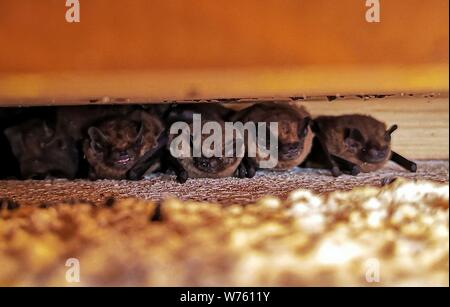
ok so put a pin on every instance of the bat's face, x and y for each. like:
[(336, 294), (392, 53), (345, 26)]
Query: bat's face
[(215, 165), (369, 141), (291, 138), (294, 137), (113, 147), (212, 164), (42, 152)]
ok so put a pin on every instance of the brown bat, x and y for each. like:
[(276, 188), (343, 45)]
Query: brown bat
[(42, 150), (199, 167), (294, 134), (13, 117), (76, 120), (354, 143), (114, 146), (9, 166)]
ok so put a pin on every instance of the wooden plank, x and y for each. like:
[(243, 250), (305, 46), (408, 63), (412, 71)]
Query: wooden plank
[(144, 87), (158, 35), (200, 49)]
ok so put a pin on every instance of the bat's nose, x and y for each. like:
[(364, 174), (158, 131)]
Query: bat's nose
[(213, 163), (291, 148), (375, 155)]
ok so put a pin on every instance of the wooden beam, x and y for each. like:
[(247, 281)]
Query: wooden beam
[(145, 87)]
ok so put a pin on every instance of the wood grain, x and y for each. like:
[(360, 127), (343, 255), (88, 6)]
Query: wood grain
[(147, 87)]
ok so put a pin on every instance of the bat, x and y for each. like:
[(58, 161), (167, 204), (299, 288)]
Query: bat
[(150, 159), (199, 166), (9, 166), (42, 151), (115, 145), (76, 120), (294, 134), (354, 143)]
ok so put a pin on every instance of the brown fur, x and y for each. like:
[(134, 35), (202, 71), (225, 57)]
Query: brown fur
[(332, 131), (42, 151), (226, 167), (289, 118), (135, 135), (76, 120)]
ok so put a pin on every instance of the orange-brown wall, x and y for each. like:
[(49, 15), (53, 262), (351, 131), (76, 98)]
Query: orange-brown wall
[(216, 34)]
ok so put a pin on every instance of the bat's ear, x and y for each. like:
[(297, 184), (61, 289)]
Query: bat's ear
[(98, 139), (140, 134), (353, 140), (48, 132), (15, 138), (387, 136), (353, 134), (48, 135)]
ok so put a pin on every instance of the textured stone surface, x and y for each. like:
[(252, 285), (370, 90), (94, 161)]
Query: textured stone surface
[(223, 191), (395, 235)]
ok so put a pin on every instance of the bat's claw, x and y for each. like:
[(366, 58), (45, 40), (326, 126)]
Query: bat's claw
[(133, 176), (355, 170), (182, 177), (336, 172), (241, 171), (251, 172)]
